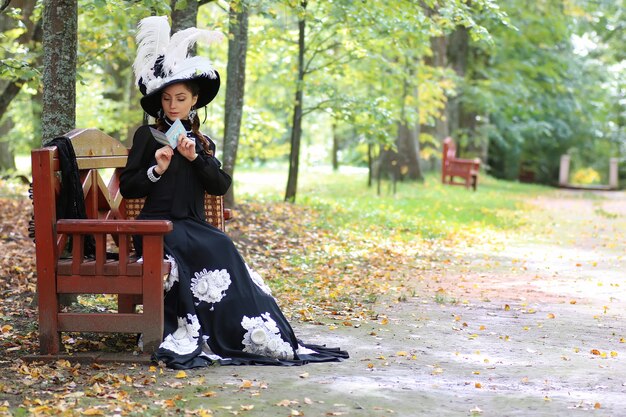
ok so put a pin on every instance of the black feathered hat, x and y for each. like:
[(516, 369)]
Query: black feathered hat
[(163, 60)]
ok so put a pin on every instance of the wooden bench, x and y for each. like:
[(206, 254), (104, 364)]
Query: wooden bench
[(452, 167), (110, 220)]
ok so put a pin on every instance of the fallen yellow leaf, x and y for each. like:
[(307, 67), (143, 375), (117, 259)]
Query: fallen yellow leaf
[(93, 412), (181, 374)]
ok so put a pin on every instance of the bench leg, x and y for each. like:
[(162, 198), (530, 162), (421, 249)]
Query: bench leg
[(48, 305), (127, 303), (153, 307)]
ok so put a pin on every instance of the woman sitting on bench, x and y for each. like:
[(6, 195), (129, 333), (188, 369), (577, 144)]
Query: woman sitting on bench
[(216, 307)]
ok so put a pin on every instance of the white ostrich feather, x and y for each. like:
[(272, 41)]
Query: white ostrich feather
[(153, 37), (181, 42)]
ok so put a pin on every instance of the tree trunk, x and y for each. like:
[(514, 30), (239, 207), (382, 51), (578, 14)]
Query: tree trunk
[(59, 74), (457, 50), (7, 160), (296, 130), (441, 129), (403, 161), (370, 165), (439, 45), (9, 91), (185, 17), (408, 151), (235, 89), (335, 150)]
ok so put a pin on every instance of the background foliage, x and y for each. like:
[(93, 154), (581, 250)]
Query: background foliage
[(540, 79)]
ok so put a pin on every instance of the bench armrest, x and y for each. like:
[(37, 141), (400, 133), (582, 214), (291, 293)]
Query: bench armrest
[(136, 227)]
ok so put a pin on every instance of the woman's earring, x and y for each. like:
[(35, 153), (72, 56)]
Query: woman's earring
[(192, 114)]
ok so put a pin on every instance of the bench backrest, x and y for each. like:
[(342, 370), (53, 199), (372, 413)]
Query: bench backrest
[(448, 154), (449, 149)]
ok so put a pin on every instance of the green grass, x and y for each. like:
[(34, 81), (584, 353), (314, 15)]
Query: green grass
[(429, 210)]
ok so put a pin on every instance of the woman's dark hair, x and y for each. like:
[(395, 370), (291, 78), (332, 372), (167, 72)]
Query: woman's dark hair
[(195, 125)]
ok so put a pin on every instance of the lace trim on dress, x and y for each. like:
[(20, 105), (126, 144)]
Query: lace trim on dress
[(185, 339), (173, 275), (305, 351), (206, 350), (256, 278), (263, 338), (210, 286)]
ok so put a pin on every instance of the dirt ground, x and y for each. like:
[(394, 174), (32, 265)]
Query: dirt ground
[(506, 327)]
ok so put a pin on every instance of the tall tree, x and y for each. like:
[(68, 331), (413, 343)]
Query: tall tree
[(235, 86), (296, 125), (60, 36)]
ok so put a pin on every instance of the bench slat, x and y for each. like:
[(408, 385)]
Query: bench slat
[(99, 284), (111, 267), (105, 322)]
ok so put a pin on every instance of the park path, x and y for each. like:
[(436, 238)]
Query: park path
[(510, 326)]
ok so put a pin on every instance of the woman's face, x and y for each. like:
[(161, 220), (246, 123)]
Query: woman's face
[(177, 101)]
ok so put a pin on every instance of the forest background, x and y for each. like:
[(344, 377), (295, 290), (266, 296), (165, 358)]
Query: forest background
[(376, 84)]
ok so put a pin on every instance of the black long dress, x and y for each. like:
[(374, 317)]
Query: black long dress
[(217, 309)]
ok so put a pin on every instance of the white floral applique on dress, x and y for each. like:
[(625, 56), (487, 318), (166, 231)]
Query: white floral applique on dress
[(210, 286), (263, 338), (256, 278), (185, 339)]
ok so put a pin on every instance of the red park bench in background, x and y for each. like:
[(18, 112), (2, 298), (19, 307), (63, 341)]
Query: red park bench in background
[(452, 167), (111, 222)]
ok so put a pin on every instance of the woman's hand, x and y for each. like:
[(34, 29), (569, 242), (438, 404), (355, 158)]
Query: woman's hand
[(187, 147), (163, 158)]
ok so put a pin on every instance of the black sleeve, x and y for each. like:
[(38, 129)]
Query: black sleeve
[(134, 181), (209, 170)]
